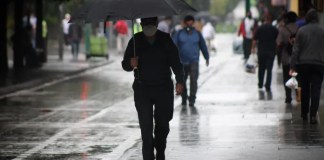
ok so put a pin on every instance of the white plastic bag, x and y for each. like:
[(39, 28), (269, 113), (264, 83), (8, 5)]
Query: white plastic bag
[(292, 83), (251, 63)]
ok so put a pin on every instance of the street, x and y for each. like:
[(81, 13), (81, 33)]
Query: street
[(92, 116)]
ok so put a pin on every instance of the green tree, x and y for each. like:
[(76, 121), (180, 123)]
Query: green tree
[(222, 7)]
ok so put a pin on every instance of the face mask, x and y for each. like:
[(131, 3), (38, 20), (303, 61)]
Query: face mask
[(149, 30), (188, 29)]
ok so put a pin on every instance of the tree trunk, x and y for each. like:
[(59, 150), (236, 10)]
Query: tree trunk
[(60, 37), (3, 39), (39, 31), (17, 42)]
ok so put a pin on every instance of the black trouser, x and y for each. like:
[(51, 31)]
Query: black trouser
[(162, 98), (191, 70), (286, 77), (311, 77), (247, 45), (265, 64)]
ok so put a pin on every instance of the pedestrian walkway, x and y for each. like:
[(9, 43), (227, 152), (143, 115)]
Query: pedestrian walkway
[(232, 120), (93, 117)]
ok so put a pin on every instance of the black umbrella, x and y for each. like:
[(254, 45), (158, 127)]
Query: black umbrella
[(104, 10)]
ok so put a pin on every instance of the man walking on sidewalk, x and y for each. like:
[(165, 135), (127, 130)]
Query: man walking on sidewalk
[(190, 42), (308, 59), (265, 37), (153, 86), (247, 28)]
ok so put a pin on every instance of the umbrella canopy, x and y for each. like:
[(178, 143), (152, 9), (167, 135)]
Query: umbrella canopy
[(103, 10)]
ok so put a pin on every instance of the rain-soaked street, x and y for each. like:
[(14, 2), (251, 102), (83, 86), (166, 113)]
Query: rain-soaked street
[(93, 117)]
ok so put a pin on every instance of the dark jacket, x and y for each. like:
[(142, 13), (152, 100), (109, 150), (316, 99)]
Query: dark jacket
[(309, 46), (266, 36), (155, 60), (75, 32)]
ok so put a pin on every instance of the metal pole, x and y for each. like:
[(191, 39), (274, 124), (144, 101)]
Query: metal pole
[(136, 70), (247, 6)]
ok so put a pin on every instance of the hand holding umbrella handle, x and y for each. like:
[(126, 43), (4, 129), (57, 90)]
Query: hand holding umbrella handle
[(134, 62)]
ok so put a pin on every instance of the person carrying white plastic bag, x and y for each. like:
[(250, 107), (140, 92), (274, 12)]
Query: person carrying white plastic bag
[(251, 63), (292, 83)]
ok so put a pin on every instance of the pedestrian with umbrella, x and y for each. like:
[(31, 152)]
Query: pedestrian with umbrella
[(151, 54), (153, 86)]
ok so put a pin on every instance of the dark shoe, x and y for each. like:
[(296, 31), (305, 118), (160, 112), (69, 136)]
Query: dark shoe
[(313, 120), (268, 89), (304, 117), (191, 104)]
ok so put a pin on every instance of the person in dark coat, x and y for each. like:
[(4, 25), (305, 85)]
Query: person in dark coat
[(284, 43), (156, 55), (308, 59), (75, 35), (265, 38)]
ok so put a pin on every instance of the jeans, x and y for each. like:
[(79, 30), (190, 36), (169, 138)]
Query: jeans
[(75, 48), (265, 64), (162, 98), (247, 45), (311, 77), (191, 70)]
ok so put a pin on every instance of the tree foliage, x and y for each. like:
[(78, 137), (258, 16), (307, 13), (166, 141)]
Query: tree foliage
[(222, 7)]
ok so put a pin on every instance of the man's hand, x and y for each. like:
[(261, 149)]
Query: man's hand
[(179, 88), (292, 72), (207, 63), (134, 62)]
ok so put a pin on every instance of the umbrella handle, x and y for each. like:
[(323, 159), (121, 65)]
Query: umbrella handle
[(133, 33)]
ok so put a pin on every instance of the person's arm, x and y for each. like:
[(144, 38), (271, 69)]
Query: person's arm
[(241, 28), (255, 41), (295, 52), (176, 66), (129, 53), (175, 38), (203, 48)]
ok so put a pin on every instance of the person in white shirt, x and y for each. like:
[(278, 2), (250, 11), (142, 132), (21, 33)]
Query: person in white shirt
[(247, 28), (208, 32), (66, 25), (165, 24)]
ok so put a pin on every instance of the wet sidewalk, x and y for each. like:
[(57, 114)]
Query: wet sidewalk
[(92, 117), (232, 120), (53, 70)]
